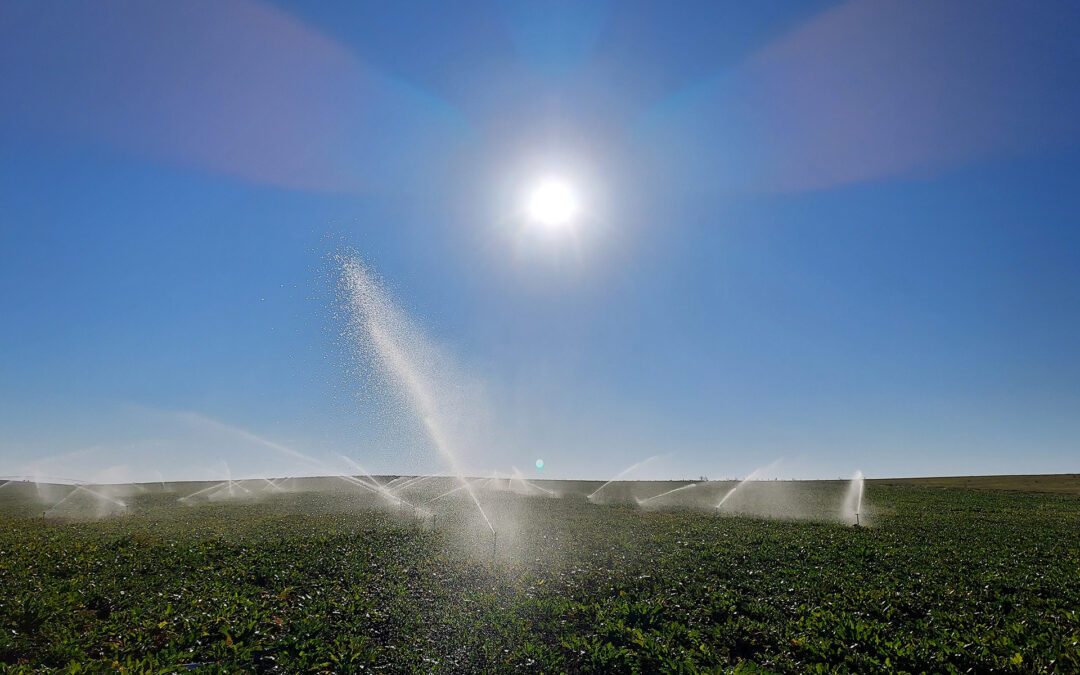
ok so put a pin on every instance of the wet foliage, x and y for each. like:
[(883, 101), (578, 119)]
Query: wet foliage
[(945, 581)]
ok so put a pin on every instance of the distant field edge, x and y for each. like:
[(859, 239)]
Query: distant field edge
[(1054, 483)]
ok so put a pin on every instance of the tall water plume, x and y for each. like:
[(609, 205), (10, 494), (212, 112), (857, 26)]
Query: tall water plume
[(395, 347), (852, 510)]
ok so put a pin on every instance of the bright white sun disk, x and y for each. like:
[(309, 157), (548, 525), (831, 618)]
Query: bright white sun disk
[(553, 203)]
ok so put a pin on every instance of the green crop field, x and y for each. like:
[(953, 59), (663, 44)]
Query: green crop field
[(942, 580), (1061, 483)]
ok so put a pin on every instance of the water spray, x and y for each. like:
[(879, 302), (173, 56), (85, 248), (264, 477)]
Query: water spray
[(752, 477), (520, 478), (374, 485), (642, 502), (411, 483), (852, 507), (550, 493), (620, 475), (400, 350), (272, 485), (93, 493), (450, 492), (728, 495)]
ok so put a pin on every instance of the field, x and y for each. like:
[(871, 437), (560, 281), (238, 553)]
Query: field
[(1060, 483), (330, 580)]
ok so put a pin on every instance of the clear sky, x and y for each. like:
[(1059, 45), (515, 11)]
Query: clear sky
[(841, 234)]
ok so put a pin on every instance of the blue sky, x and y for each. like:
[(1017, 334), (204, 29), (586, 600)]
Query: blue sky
[(844, 234)]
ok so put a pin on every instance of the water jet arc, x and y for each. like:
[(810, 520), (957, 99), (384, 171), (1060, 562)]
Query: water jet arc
[(619, 475), (752, 477), (642, 502), (389, 333)]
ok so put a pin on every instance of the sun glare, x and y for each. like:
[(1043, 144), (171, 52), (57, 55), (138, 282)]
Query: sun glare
[(552, 203)]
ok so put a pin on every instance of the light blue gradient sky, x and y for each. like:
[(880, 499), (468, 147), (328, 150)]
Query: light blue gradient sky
[(841, 234)]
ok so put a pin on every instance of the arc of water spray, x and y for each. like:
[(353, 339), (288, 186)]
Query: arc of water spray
[(752, 477), (520, 477), (412, 481), (537, 487), (393, 482), (665, 494), (64, 499), (227, 484), (273, 484), (94, 493), (370, 482), (215, 486), (374, 310), (400, 482), (198, 492), (353, 480), (380, 489), (316, 464), (452, 491), (410, 484), (728, 495), (621, 474), (233, 483)]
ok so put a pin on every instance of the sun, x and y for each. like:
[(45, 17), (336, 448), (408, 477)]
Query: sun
[(553, 203)]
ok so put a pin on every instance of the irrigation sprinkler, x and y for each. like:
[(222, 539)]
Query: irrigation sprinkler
[(494, 545)]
